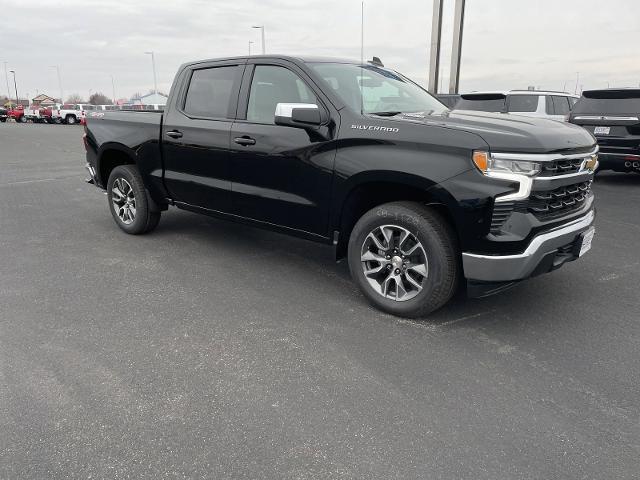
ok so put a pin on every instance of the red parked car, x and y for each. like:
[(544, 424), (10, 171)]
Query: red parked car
[(17, 113)]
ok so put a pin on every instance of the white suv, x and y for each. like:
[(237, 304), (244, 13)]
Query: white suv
[(530, 103)]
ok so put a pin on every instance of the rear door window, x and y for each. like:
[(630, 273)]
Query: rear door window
[(523, 103), (210, 92)]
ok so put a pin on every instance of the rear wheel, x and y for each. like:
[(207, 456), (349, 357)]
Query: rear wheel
[(128, 201), (404, 258), (70, 120)]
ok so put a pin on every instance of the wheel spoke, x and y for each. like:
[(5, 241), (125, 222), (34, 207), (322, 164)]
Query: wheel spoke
[(369, 256), (388, 237), (400, 290), (373, 270), (412, 250), (116, 191), (385, 285), (413, 282), (376, 242), (420, 269)]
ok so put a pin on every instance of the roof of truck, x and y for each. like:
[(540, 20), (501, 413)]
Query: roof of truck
[(294, 58)]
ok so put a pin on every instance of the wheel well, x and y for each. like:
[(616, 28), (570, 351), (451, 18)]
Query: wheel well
[(110, 160), (365, 197)]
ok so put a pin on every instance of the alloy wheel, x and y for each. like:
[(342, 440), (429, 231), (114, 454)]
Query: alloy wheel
[(124, 200), (394, 262)]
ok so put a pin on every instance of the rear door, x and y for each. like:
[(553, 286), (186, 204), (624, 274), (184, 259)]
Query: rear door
[(195, 135)]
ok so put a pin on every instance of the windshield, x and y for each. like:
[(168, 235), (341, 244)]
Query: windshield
[(373, 89), (613, 101)]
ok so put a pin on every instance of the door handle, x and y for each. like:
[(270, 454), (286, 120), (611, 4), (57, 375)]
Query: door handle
[(174, 134), (245, 141)]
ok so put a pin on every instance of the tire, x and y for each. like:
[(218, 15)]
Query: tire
[(23, 119), (144, 220), (425, 265), (3, 120), (70, 120)]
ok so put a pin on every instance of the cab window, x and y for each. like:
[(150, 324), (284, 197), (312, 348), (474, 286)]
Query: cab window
[(272, 85), (210, 92)]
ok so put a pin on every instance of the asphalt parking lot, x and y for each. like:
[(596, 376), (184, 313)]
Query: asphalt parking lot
[(213, 350)]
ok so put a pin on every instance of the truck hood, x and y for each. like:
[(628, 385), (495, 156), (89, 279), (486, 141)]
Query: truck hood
[(511, 133)]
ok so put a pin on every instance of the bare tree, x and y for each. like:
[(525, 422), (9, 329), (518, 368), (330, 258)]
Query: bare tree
[(75, 98), (99, 98)]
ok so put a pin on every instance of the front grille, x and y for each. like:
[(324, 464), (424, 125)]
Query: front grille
[(561, 167), (558, 202)]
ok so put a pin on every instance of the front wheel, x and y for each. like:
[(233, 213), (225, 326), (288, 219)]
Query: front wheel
[(71, 120), (128, 201), (404, 258)]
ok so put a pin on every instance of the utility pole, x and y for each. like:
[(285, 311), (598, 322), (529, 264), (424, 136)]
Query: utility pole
[(113, 89), (59, 82), (261, 27), (153, 65), (362, 33), (436, 33), (456, 49), (6, 77), (575, 90), (15, 85)]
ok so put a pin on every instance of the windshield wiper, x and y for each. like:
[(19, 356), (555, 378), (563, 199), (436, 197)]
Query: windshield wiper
[(391, 113)]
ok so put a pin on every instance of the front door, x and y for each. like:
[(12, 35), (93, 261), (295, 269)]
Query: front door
[(281, 175), (195, 137)]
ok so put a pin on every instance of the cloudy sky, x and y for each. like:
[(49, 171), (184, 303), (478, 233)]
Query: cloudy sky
[(507, 43)]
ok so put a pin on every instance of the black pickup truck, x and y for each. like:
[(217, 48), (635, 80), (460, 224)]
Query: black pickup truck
[(417, 198)]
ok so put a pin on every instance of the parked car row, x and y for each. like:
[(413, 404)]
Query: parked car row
[(68, 113), (611, 115)]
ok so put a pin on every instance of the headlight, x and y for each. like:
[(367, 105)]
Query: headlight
[(488, 165)]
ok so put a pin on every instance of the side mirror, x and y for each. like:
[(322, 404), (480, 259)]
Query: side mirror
[(298, 115)]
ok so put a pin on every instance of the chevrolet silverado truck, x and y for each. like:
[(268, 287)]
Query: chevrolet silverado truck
[(419, 199)]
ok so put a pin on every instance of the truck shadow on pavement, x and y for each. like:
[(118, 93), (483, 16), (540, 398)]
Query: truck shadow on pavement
[(315, 263)]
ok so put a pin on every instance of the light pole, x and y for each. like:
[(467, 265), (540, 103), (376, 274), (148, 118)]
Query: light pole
[(113, 87), (153, 64), (261, 27), (250, 43), (6, 77), (362, 33), (15, 85), (575, 91), (59, 82)]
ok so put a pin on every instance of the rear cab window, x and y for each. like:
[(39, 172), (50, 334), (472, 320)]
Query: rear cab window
[(210, 93)]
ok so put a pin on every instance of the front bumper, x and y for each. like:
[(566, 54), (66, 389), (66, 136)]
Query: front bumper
[(539, 254)]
